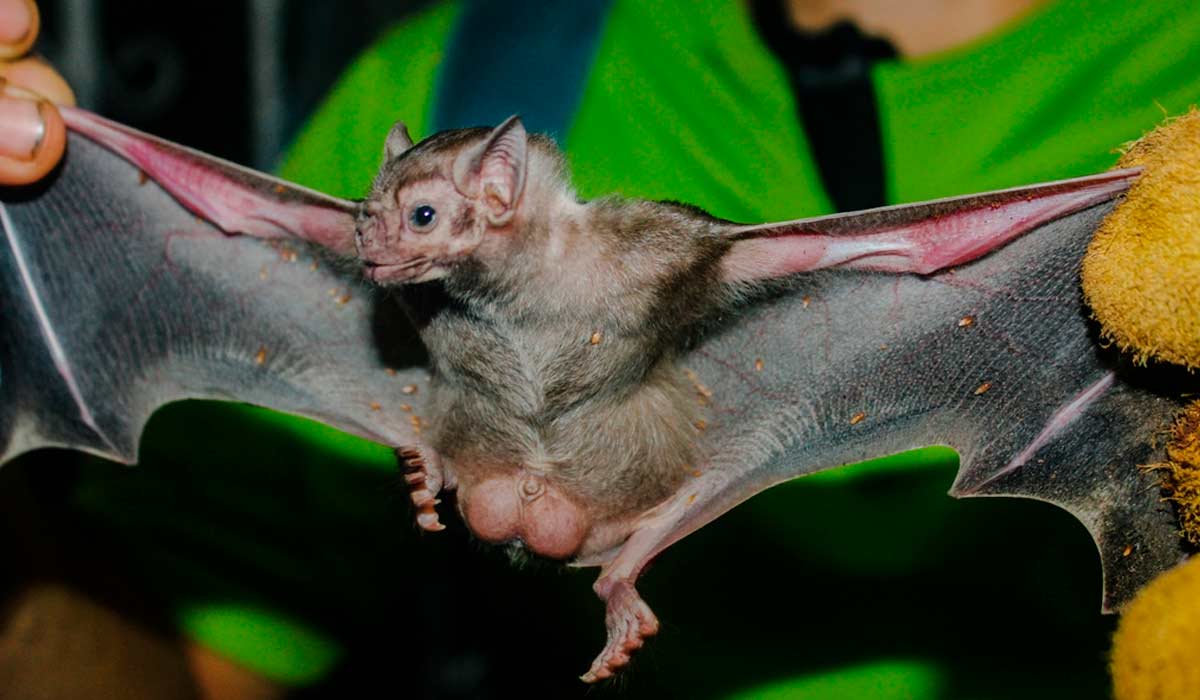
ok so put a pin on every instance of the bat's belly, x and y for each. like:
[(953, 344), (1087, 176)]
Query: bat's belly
[(550, 480)]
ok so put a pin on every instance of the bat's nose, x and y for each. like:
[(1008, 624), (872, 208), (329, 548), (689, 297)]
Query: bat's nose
[(366, 236)]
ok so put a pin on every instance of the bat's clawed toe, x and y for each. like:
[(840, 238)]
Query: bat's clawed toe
[(428, 521), (629, 621)]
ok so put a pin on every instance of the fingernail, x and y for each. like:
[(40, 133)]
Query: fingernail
[(22, 126), (15, 21)]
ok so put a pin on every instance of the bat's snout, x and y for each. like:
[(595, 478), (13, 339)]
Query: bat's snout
[(389, 261)]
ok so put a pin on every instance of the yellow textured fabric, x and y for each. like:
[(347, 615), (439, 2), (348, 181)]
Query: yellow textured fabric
[(1154, 650), (1181, 471), (1141, 275)]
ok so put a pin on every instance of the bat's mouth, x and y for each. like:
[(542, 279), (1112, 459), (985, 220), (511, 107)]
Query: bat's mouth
[(397, 273)]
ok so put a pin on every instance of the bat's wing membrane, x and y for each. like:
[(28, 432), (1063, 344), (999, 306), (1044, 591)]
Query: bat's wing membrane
[(996, 357), (116, 300)]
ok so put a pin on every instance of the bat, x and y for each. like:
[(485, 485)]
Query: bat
[(594, 380)]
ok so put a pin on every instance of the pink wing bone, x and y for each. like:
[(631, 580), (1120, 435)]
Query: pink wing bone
[(237, 199), (919, 238)]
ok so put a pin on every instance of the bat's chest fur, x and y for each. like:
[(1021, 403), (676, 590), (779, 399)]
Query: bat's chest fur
[(604, 413)]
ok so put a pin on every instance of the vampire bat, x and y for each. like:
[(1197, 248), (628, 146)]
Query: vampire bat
[(598, 379)]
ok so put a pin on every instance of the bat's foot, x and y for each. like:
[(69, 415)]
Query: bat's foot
[(423, 474), (629, 622)]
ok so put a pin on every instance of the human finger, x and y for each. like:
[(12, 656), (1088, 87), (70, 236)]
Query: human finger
[(19, 22), (35, 75), (33, 137)]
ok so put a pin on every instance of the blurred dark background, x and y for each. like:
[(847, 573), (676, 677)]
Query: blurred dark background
[(236, 78)]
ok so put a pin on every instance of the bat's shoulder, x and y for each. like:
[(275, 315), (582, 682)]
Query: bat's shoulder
[(634, 224), (686, 210)]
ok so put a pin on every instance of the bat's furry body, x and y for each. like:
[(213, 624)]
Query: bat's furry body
[(553, 344)]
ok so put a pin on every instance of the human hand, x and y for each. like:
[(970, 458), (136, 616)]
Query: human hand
[(32, 134)]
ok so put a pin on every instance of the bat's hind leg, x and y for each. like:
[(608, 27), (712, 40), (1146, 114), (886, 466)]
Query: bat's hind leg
[(628, 618), (425, 477)]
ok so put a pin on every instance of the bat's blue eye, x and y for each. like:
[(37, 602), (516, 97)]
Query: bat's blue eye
[(422, 216)]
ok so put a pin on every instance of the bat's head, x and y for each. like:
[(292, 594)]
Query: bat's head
[(434, 204)]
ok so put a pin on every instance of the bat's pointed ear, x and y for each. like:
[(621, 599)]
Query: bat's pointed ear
[(398, 141), (494, 171)]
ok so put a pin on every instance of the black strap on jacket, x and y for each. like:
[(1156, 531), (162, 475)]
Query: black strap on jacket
[(518, 56), (830, 72)]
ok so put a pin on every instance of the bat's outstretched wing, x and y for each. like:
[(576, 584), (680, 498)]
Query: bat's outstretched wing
[(958, 322), (116, 300), (996, 358)]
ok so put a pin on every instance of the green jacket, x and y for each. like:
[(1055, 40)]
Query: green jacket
[(280, 542)]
